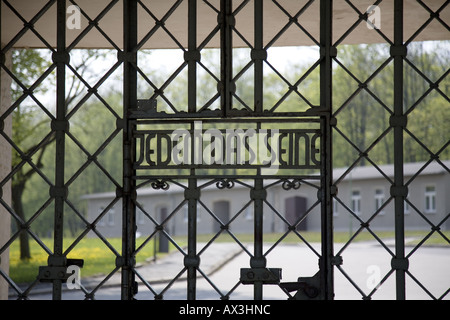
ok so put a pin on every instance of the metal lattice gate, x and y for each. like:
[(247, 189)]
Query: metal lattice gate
[(231, 139)]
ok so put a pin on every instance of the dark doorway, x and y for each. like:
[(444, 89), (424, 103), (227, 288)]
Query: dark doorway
[(222, 211), (295, 209)]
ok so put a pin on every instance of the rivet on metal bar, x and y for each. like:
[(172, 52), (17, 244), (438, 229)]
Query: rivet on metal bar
[(28, 92), (434, 157), (399, 191), (332, 52), (194, 55), (230, 19), (92, 90), (60, 125), (434, 85), (333, 121), (364, 16), (258, 194), (24, 226), (398, 51), (119, 124), (191, 261), (337, 260), (400, 264), (61, 57), (192, 194), (258, 54), (434, 15), (126, 57), (398, 121), (25, 157), (56, 192), (364, 225), (120, 261), (334, 190)]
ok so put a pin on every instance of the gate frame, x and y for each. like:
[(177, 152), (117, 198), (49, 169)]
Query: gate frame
[(323, 112)]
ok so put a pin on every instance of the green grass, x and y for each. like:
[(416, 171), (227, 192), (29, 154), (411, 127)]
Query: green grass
[(99, 259)]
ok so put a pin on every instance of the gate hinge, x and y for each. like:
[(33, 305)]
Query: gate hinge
[(264, 275)]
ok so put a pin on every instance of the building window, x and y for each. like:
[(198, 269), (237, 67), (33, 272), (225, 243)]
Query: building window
[(430, 199), (111, 215), (249, 212), (356, 202), (379, 200), (407, 207), (335, 208), (101, 223), (140, 216)]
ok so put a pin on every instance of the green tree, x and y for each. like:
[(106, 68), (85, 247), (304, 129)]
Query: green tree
[(34, 77)]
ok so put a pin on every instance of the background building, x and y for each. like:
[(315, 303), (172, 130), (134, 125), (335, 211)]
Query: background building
[(363, 195)]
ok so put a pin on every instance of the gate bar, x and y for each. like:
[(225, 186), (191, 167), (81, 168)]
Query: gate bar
[(327, 52), (129, 57), (192, 261), (258, 260), (57, 260), (226, 20), (399, 188), (258, 56), (192, 56)]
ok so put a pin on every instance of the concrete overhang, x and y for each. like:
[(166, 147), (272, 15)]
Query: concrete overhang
[(344, 16)]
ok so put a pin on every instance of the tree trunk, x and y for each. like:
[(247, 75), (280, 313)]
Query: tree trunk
[(17, 192)]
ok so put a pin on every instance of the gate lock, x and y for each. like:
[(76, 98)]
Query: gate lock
[(264, 275), (306, 287), (57, 269)]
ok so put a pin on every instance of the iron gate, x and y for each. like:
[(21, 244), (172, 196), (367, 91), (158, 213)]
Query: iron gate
[(164, 143), (239, 137)]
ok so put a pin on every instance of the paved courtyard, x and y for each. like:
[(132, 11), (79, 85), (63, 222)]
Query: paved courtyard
[(365, 263)]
